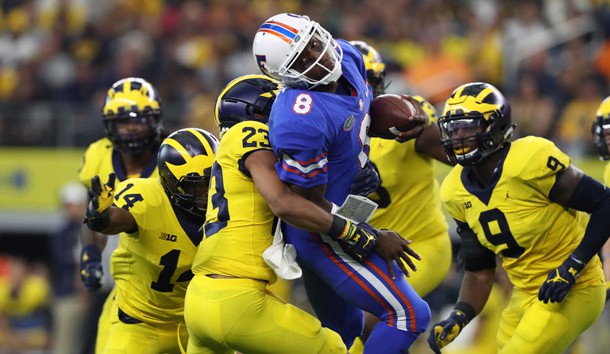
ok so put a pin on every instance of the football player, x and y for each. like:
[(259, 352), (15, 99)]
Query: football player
[(409, 201), (601, 141), (133, 121), (231, 279), (525, 202), (319, 130), (159, 221)]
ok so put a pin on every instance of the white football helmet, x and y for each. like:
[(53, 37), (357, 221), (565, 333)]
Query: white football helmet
[(282, 38)]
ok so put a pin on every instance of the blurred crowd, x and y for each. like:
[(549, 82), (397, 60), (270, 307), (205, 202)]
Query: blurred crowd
[(58, 58)]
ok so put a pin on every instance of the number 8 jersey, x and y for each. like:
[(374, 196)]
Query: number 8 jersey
[(151, 266), (514, 216)]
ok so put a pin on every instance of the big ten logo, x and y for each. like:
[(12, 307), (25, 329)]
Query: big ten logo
[(168, 237)]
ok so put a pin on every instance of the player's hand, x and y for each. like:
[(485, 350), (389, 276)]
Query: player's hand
[(560, 280), (101, 198), (366, 181), (420, 117), (91, 267), (359, 240), (445, 331), (392, 247)]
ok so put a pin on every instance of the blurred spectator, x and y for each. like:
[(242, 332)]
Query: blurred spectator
[(573, 132), (532, 111), (69, 305), (24, 316)]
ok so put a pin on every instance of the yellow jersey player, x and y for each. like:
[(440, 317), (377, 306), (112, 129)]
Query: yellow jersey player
[(231, 276), (159, 221), (133, 121), (525, 202), (408, 196), (601, 140)]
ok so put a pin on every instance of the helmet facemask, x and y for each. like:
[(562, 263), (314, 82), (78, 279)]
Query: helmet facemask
[(601, 134), (190, 193), (137, 141), (468, 137), (298, 67)]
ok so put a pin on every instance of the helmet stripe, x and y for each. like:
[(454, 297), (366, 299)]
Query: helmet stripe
[(278, 29)]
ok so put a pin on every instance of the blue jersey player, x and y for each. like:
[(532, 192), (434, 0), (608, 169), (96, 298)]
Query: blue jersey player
[(318, 128)]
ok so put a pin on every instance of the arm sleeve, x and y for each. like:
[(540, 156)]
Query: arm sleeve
[(476, 256), (594, 198)]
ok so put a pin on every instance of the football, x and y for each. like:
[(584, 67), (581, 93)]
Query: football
[(392, 114)]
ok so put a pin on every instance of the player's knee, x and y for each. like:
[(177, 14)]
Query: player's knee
[(422, 315)]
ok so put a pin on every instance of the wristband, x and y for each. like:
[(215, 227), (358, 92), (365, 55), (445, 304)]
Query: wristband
[(467, 309), (337, 228)]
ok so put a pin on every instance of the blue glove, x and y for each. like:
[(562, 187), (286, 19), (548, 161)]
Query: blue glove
[(447, 330), (366, 181), (91, 267), (560, 280), (357, 240)]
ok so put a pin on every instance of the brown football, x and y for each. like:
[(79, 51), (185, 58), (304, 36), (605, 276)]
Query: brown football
[(391, 114)]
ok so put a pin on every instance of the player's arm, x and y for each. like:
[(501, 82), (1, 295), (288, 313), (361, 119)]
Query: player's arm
[(306, 214), (480, 269), (429, 143), (578, 191)]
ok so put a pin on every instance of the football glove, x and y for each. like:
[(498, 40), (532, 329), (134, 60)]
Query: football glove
[(560, 280), (366, 181), (91, 267), (445, 331), (358, 240), (101, 198)]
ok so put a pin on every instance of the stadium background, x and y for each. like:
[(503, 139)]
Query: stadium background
[(58, 57)]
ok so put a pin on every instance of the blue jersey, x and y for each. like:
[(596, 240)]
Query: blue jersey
[(321, 137)]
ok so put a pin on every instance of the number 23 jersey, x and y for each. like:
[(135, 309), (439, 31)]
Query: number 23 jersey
[(151, 266), (514, 216)]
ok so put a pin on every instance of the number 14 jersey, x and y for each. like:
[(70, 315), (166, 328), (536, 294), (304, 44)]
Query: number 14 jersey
[(514, 216), (151, 266)]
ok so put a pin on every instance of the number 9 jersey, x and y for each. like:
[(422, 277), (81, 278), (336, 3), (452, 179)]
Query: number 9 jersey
[(151, 266), (514, 216)]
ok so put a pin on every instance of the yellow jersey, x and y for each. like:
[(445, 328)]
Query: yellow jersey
[(408, 197), (514, 216), (239, 223), (152, 265), (102, 159)]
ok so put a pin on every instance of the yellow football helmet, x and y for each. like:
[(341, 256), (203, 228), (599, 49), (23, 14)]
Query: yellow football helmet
[(476, 122), (375, 67), (247, 97), (601, 123), (185, 163), (133, 100)]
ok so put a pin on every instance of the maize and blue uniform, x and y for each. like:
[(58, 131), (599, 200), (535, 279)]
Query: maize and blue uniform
[(321, 138)]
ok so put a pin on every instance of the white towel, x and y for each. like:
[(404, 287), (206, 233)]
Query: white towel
[(282, 257)]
